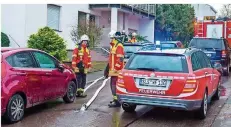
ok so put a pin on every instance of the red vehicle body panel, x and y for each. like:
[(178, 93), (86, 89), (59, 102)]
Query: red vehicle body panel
[(129, 91), (37, 84)]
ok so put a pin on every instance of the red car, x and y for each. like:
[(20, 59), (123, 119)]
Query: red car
[(30, 77), (181, 79)]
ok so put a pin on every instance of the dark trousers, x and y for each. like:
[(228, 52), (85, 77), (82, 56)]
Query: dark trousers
[(113, 85), (81, 80)]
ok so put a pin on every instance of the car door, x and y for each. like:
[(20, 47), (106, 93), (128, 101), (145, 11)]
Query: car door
[(54, 80), (200, 71), (210, 72), (24, 66)]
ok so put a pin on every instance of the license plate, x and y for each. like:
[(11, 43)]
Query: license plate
[(153, 82)]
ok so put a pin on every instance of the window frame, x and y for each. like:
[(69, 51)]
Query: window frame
[(30, 54), (196, 58), (59, 24), (56, 62)]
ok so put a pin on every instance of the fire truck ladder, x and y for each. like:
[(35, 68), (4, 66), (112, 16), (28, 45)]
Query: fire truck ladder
[(200, 29)]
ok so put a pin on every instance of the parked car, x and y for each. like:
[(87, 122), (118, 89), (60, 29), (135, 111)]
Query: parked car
[(30, 77), (181, 79), (217, 49), (130, 48), (148, 47)]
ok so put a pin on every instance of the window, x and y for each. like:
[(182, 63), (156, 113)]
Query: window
[(53, 16), (207, 43), (44, 60), (206, 60), (158, 62), (82, 18), (196, 65), (22, 59)]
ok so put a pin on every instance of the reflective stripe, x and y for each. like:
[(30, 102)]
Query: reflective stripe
[(89, 63), (80, 54), (74, 55), (112, 63), (120, 76), (73, 62), (117, 65), (76, 70), (121, 85), (89, 56), (120, 55)]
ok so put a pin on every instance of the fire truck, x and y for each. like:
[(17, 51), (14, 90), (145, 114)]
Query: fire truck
[(213, 29)]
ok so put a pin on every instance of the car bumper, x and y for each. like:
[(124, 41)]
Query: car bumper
[(223, 63), (178, 104)]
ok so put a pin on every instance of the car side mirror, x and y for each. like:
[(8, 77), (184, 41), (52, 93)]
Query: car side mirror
[(218, 66), (60, 67)]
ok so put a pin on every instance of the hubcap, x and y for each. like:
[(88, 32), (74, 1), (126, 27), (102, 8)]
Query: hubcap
[(17, 109), (205, 104)]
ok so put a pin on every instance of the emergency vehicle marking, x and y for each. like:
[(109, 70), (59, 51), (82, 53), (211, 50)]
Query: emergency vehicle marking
[(149, 91)]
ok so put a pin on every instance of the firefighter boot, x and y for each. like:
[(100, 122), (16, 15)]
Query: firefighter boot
[(78, 92), (82, 94), (115, 103)]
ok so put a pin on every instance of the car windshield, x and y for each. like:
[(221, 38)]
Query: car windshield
[(131, 48), (158, 62), (168, 45), (207, 43)]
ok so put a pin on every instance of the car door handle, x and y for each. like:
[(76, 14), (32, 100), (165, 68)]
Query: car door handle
[(206, 73), (21, 73), (48, 73)]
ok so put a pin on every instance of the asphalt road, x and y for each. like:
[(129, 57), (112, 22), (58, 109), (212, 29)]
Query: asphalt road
[(58, 114)]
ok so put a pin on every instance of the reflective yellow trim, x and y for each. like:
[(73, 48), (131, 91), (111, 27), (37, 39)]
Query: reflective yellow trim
[(73, 62), (89, 63), (76, 70), (120, 76), (115, 98), (80, 54), (74, 55), (89, 56), (121, 85), (85, 70)]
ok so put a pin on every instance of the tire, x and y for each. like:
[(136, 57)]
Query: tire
[(218, 92), (128, 107), (71, 93), (226, 73), (202, 112), (15, 109)]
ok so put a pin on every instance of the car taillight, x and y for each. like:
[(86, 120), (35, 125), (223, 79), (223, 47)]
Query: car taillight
[(190, 86), (223, 53), (3, 70), (120, 81)]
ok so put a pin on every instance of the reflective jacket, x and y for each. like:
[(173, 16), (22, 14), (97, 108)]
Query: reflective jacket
[(81, 60), (116, 59), (133, 40)]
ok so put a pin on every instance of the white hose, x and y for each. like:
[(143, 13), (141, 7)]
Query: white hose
[(85, 106), (93, 83)]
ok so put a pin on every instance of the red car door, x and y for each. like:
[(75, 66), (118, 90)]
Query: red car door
[(25, 67), (54, 79)]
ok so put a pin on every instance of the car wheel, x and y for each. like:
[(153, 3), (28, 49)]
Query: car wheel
[(70, 94), (226, 73), (15, 109), (202, 112), (218, 91), (128, 107)]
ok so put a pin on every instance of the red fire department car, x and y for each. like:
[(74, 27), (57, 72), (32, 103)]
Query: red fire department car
[(181, 79)]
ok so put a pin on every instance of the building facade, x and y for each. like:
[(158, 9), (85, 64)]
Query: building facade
[(204, 10), (19, 21)]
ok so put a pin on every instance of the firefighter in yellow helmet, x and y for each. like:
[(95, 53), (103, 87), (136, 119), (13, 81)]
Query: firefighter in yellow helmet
[(133, 39), (81, 62)]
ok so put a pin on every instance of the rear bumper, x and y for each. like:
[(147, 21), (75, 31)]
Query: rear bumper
[(162, 102)]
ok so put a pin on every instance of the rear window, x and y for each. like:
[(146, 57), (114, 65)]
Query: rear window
[(131, 48), (207, 43), (158, 62)]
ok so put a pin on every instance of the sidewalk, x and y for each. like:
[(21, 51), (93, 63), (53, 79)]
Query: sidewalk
[(223, 119)]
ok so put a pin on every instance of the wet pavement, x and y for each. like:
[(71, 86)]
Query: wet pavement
[(58, 114)]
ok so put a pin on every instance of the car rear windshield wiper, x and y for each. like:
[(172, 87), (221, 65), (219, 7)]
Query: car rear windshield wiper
[(148, 69)]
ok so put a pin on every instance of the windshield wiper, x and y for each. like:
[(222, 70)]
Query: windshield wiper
[(129, 52), (148, 69)]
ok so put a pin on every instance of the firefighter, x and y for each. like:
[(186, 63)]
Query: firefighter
[(81, 62), (115, 64), (133, 39)]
